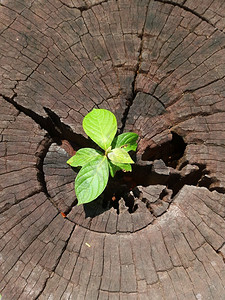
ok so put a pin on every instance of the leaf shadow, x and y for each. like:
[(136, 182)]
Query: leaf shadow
[(95, 208)]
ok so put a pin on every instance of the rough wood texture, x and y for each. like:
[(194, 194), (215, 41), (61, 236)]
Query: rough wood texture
[(159, 65)]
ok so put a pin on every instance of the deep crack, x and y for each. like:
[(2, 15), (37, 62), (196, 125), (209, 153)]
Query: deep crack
[(52, 124), (164, 165), (56, 132), (129, 103), (131, 98), (41, 153)]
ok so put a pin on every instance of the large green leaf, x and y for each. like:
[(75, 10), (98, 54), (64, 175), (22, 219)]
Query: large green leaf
[(101, 126), (83, 156), (127, 141), (119, 155), (92, 180), (113, 168)]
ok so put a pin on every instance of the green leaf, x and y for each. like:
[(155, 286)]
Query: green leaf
[(92, 180), (101, 126), (125, 167), (83, 156), (127, 141), (114, 167), (119, 155)]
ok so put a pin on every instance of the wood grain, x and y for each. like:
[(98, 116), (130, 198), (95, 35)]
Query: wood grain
[(159, 66)]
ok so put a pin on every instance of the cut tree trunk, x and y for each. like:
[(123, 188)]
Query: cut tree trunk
[(156, 233)]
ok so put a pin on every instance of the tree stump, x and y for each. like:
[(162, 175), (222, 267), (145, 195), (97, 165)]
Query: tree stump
[(159, 66)]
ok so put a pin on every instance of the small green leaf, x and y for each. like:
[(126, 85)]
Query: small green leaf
[(92, 180), (125, 167), (101, 126), (83, 156), (127, 141), (114, 167), (119, 155)]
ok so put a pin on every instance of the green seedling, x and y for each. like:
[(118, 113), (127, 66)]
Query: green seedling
[(101, 126)]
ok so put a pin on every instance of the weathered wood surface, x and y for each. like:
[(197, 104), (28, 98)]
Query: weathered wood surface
[(160, 67)]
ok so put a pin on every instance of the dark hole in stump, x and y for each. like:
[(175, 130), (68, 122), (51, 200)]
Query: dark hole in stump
[(170, 152), (156, 171)]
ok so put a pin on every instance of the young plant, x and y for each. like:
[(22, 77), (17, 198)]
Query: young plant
[(101, 126)]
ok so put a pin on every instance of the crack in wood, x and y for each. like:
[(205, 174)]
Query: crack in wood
[(55, 128), (44, 123), (192, 278), (56, 132), (32, 240), (134, 92), (189, 91), (84, 7), (144, 175), (189, 10), (56, 263), (7, 206)]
